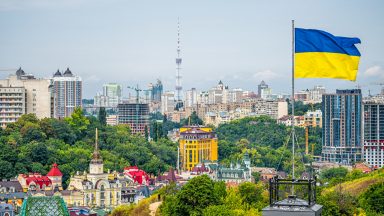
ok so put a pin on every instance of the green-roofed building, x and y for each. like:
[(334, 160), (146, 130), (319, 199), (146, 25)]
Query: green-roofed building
[(44, 206)]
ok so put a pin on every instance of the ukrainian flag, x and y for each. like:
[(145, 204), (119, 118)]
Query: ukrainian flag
[(319, 54)]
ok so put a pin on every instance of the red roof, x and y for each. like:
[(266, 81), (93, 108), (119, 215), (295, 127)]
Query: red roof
[(136, 174), (43, 180), (55, 171)]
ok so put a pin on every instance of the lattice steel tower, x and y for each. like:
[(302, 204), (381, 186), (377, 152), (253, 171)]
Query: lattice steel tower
[(179, 103)]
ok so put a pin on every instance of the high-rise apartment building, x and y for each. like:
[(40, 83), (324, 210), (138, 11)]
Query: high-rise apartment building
[(113, 93), (167, 102), (67, 93), (12, 104), (190, 97), (110, 97), (156, 91), (22, 93), (373, 150), (342, 126), (260, 87), (136, 115), (196, 145)]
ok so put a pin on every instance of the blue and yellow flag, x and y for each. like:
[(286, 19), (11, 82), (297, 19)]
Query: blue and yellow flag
[(319, 54)]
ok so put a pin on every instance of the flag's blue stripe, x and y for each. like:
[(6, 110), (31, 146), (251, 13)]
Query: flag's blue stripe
[(312, 40)]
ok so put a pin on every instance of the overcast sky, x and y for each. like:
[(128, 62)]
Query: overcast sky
[(130, 42)]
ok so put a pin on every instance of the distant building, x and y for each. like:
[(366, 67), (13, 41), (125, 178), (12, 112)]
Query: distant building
[(266, 94), (111, 96), (136, 115), (373, 149), (156, 91), (311, 96), (67, 93), (287, 121), (22, 93), (215, 95), (313, 118), (190, 97), (167, 102), (112, 120), (260, 88), (12, 104), (236, 173), (342, 126), (197, 144)]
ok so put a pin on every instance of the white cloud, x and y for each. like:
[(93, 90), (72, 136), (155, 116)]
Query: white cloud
[(266, 75), (374, 71)]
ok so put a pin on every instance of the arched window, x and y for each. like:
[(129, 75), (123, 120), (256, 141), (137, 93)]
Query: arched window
[(102, 191)]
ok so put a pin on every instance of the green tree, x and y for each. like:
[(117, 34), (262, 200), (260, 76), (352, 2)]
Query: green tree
[(338, 172), (217, 210), (256, 176), (373, 198), (78, 122), (250, 192), (196, 195), (102, 116), (6, 170)]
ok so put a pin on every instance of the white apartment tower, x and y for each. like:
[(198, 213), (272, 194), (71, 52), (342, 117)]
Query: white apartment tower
[(67, 93), (22, 93)]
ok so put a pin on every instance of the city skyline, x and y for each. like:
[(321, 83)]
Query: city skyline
[(129, 43)]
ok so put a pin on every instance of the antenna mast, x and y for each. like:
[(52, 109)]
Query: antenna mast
[(178, 68)]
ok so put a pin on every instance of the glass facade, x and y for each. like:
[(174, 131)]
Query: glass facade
[(342, 126)]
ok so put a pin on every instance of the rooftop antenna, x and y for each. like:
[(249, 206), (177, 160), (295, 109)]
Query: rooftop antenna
[(178, 68)]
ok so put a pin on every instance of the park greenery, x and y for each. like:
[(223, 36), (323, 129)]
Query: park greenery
[(33, 145), (203, 196)]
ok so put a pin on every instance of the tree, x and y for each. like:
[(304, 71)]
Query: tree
[(193, 119), (102, 117), (196, 195), (256, 176), (338, 172), (6, 170), (373, 198), (250, 192), (78, 122), (217, 210)]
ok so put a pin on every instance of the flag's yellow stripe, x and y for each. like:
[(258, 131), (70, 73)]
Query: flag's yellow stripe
[(326, 65)]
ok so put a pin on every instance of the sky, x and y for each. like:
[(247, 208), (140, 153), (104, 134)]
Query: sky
[(134, 42)]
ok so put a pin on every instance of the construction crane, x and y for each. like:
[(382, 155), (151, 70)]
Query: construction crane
[(138, 90)]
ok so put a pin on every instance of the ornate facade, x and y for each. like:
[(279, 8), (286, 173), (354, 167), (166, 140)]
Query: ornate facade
[(94, 189)]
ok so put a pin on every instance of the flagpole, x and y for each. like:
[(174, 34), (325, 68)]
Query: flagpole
[(293, 101)]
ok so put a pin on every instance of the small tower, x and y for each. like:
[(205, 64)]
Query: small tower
[(96, 165), (55, 176)]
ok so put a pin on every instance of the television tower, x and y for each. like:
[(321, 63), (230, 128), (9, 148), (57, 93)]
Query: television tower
[(179, 103)]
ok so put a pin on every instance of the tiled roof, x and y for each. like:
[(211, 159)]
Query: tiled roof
[(55, 171), (44, 206), (9, 184)]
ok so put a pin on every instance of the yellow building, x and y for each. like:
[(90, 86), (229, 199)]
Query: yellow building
[(196, 144)]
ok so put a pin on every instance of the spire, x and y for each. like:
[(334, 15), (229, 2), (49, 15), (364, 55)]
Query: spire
[(96, 157)]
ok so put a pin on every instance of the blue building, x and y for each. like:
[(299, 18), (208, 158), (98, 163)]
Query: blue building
[(342, 126)]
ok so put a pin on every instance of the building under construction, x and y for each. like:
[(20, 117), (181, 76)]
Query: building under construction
[(136, 115)]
